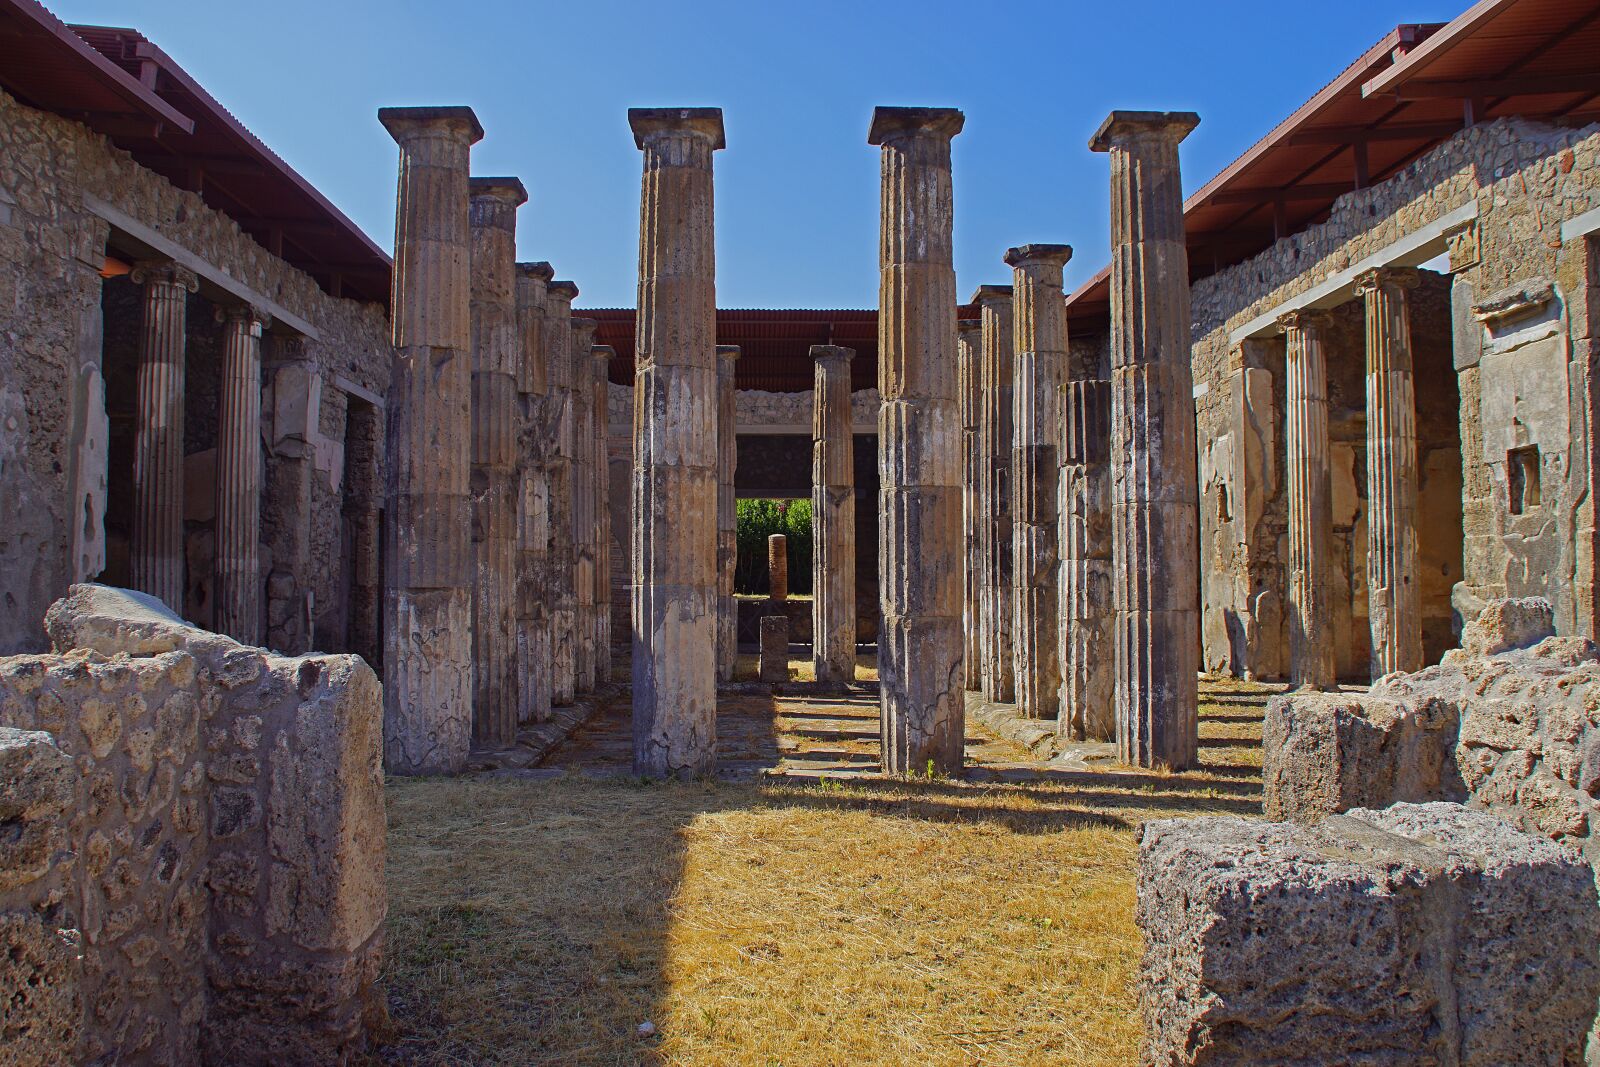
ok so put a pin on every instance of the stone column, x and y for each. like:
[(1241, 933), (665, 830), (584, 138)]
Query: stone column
[(778, 569), (969, 366), (155, 563), (495, 371), (562, 588), (1041, 371), (1394, 589), (583, 504), (533, 519), (920, 649), (1311, 664), (1088, 645), (600, 424), (995, 437), (675, 447), (427, 656), (238, 558), (1154, 507), (833, 512), (727, 512)]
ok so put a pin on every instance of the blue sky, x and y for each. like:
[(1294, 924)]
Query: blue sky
[(797, 192)]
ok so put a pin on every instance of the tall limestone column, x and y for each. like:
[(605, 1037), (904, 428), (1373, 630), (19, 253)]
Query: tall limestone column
[(583, 503), (427, 656), (969, 366), (833, 511), (238, 563), (600, 423), (1088, 645), (1311, 664), (1041, 371), (997, 670), (533, 508), (495, 371), (1154, 509), (1394, 588), (562, 589), (923, 712), (727, 512), (675, 446), (155, 563)]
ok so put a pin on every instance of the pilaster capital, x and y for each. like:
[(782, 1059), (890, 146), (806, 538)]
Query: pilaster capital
[(1121, 128), (164, 272), (1038, 255), (244, 316), (602, 354), (897, 123), (991, 294), (651, 123), (1387, 278), (406, 124), (563, 290), (728, 352), (832, 354), (540, 271), (506, 190), (1306, 320)]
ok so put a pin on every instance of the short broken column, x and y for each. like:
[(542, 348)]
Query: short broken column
[(833, 511), (533, 518), (1154, 502), (583, 504), (155, 562), (1310, 498), (494, 457), (1394, 588), (1041, 371), (238, 558), (997, 669), (777, 568), (561, 589), (427, 657), (1088, 644), (600, 425), (920, 648), (969, 360), (774, 663), (675, 447), (727, 512)]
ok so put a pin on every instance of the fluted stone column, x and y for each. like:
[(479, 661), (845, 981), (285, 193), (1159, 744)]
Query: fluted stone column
[(156, 558), (583, 503), (675, 447), (1087, 641), (1154, 508), (920, 648), (495, 372), (1041, 371), (1311, 661), (969, 366), (1394, 588), (995, 437), (238, 559), (560, 413), (833, 514), (600, 425), (777, 568), (427, 660), (727, 512), (533, 517)]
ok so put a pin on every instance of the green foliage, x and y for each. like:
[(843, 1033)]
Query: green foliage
[(760, 519)]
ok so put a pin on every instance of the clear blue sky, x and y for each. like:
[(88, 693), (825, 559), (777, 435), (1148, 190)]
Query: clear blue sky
[(797, 187)]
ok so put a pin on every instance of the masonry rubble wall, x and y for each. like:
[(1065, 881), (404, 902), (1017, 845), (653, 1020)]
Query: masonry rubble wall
[(205, 822)]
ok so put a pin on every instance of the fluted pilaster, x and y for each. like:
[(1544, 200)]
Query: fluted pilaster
[(561, 417), (583, 504), (1311, 661), (833, 513), (1087, 642), (727, 512), (533, 507), (969, 368), (600, 425), (996, 440), (238, 539)]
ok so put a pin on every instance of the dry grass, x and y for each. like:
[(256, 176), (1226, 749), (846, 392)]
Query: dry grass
[(861, 922)]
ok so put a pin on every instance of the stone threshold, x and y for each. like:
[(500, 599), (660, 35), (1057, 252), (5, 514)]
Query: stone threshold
[(537, 741)]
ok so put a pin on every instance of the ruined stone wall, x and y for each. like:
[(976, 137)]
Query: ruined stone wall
[(1525, 179), (53, 428)]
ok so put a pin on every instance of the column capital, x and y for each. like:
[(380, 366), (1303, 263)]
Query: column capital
[(728, 352), (1306, 319), (991, 294), (1121, 127), (651, 123), (602, 354), (1387, 278), (165, 271), (895, 123), (540, 271), (582, 325), (563, 290), (244, 314), (1038, 255), (411, 123), (832, 354), (969, 326), (504, 189)]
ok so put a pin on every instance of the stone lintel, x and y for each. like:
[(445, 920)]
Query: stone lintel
[(1027, 255), (540, 270), (727, 351), (830, 353), (404, 123), (990, 294), (563, 290), (498, 188), (1119, 126), (1519, 301), (1387, 277), (889, 123), (650, 122)]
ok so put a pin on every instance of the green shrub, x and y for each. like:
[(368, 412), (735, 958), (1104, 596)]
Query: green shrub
[(760, 519)]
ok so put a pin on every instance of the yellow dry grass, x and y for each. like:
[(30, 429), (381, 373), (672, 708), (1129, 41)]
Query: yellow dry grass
[(846, 922)]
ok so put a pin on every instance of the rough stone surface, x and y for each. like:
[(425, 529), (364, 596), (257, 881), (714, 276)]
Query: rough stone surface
[(774, 664), (777, 568)]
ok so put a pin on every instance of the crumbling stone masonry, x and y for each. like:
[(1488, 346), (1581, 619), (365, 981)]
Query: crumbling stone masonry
[(833, 511), (197, 873), (919, 446), (428, 642), (561, 588), (1153, 493), (675, 459), (727, 512), (534, 667), (998, 665), (969, 360)]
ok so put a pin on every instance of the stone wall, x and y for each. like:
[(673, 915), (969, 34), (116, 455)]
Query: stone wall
[(221, 860)]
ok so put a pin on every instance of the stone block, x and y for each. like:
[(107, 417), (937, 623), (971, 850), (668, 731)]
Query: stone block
[(1505, 625), (1426, 933), (774, 665), (37, 792)]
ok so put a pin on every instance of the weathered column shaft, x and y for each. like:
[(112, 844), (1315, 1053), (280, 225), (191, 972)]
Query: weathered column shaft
[(427, 661), (969, 367), (1394, 588), (583, 504), (1041, 371), (777, 568), (562, 588), (1311, 662), (920, 648), (496, 368), (675, 443), (1088, 645), (727, 512), (238, 557), (600, 423), (533, 519), (996, 437), (156, 557), (833, 514), (1154, 508)]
